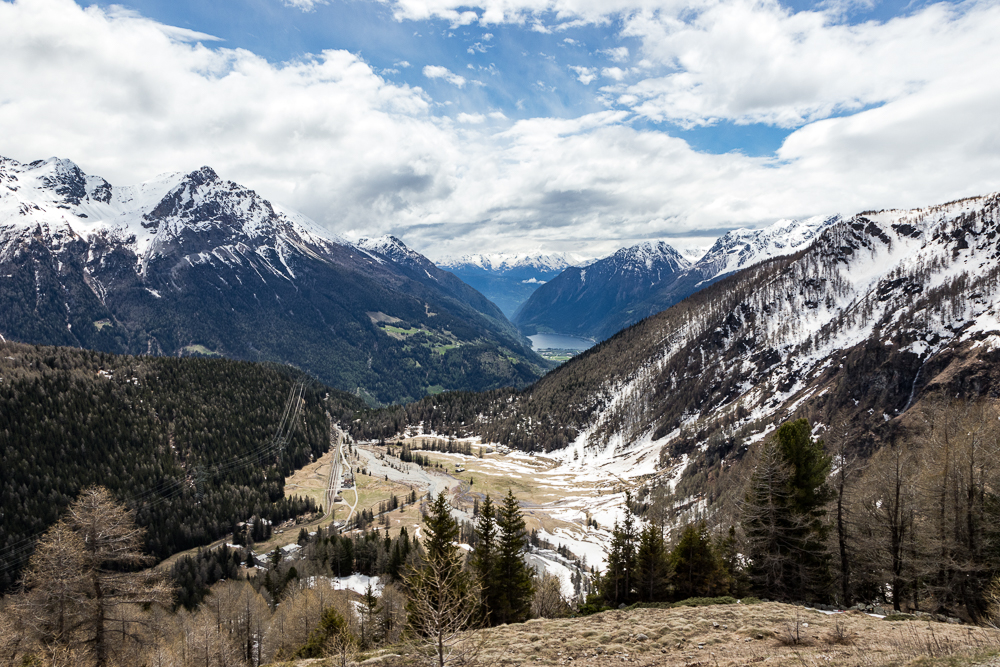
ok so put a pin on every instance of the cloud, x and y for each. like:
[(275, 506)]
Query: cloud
[(616, 73), (304, 5), (894, 114), (438, 72), (756, 62), (618, 55), (584, 74)]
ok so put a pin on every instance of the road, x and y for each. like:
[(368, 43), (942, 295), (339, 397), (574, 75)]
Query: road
[(333, 486)]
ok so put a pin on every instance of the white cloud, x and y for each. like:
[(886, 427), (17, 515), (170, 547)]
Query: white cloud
[(128, 98), (584, 74), (618, 55), (304, 5), (470, 118), (438, 72), (756, 62), (487, 36), (402, 63), (616, 73)]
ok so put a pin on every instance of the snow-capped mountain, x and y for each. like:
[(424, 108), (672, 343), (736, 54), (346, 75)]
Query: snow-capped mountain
[(740, 248), (580, 300), (508, 279), (880, 311), (503, 262), (625, 304), (192, 263)]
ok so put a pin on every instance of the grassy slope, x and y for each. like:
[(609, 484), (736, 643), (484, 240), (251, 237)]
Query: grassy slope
[(728, 636)]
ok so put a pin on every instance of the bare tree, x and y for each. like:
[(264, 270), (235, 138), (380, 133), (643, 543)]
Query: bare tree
[(548, 600), (82, 579), (393, 613), (443, 604), (960, 443), (841, 444), (886, 504)]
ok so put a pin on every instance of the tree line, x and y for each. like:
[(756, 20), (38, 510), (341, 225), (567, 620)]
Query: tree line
[(913, 527), (88, 599), (187, 443)]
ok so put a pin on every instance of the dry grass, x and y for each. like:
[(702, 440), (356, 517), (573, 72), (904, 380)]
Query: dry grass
[(311, 481), (731, 635)]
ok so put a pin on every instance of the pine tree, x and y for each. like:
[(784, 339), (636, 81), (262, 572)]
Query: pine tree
[(698, 569), (652, 568), (484, 558), (616, 584), (783, 515), (442, 600), (513, 575)]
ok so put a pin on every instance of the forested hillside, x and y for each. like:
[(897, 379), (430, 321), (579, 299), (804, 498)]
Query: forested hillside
[(190, 444)]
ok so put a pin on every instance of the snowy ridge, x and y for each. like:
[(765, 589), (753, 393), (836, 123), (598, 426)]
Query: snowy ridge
[(388, 246), (56, 198), (923, 280), (742, 247), (647, 255), (503, 262)]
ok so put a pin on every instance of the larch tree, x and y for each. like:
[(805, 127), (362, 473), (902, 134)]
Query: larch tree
[(85, 570)]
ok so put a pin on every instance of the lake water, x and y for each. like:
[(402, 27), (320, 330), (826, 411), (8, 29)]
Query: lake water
[(549, 341)]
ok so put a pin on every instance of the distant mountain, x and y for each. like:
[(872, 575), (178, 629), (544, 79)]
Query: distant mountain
[(581, 300), (618, 291), (508, 279), (194, 264), (875, 314)]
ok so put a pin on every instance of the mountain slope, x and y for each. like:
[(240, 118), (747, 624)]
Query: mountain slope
[(620, 299), (880, 311), (160, 435), (194, 264), (580, 300), (509, 279)]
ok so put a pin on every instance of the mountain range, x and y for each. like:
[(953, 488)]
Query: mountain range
[(613, 293), (189, 264), (508, 279), (864, 322)]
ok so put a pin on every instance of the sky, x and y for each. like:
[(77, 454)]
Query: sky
[(465, 126)]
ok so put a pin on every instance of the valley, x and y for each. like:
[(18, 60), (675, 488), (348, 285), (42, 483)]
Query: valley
[(642, 470)]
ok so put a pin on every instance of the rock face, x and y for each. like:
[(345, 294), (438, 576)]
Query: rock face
[(616, 292), (195, 264)]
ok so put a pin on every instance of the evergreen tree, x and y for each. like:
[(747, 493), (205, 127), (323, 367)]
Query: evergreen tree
[(652, 567), (698, 569), (442, 597), (616, 584), (484, 560), (783, 515), (513, 576)]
